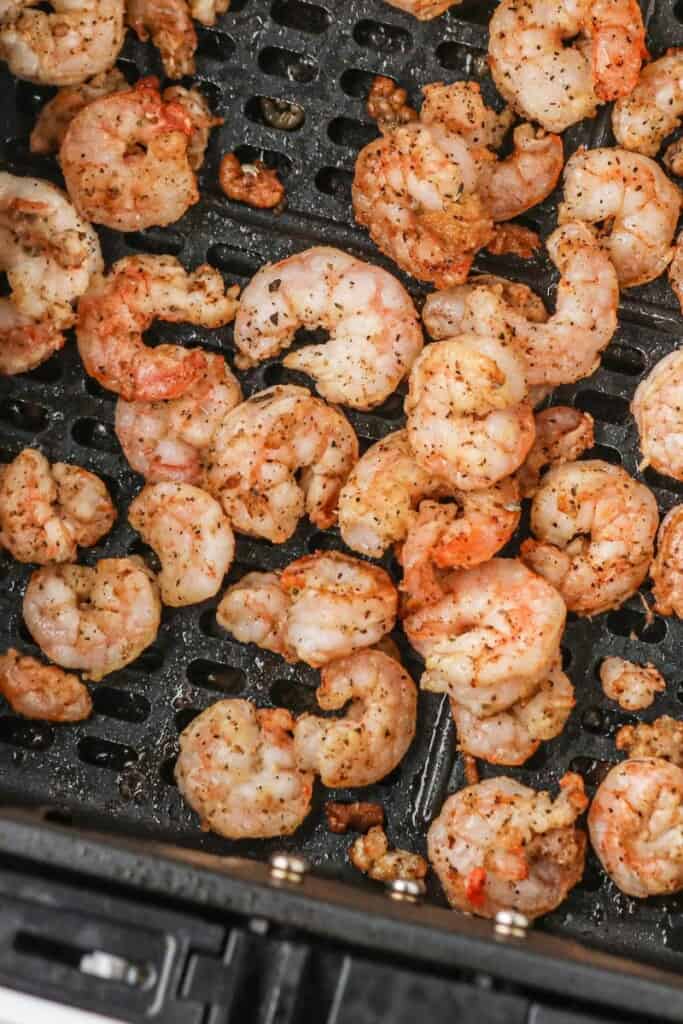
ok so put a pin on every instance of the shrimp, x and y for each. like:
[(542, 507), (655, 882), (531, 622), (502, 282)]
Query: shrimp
[(25, 344), (169, 25), (77, 39), (636, 826), (499, 845), (42, 691), (371, 855), (376, 731), (126, 161), (202, 120), (666, 570), (207, 11), (468, 419), (93, 619), (120, 306), (676, 268), (595, 528), (375, 334), (661, 738), (58, 113), (562, 435), (559, 349), (166, 441), (642, 119), (632, 686), (636, 199), (555, 84), (256, 452), (492, 638), (321, 607), (236, 769), (423, 9), (657, 408), (512, 736), (190, 534)]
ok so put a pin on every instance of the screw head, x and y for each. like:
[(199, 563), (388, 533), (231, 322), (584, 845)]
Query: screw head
[(511, 924), (406, 890), (288, 867)]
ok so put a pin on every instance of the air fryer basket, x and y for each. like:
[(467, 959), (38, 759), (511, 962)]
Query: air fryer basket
[(113, 773)]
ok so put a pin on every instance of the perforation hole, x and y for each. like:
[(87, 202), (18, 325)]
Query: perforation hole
[(270, 157), (27, 416), (185, 716), (621, 358), (345, 131), (215, 676), (97, 391), (282, 115), (214, 45), (30, 99), (629, 622), (303, 17), (567, 657), (606, 408), (157, 242), (592, 769), (91, 433), (49, 372), (357, 83), (667, 483), (335, 182), (208, 625), (239, 262), (377, 35), (324, 541), (287, 64), (288, 693), (456, 57), (476, 12), (150, 660), (604, 452), (106, 754), (167, 771), (120, 704), (594, 721), (29, 735)]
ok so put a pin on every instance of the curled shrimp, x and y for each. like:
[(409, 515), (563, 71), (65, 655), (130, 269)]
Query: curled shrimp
[(93, 619), (499, 845), (236, 769), (492, 638), (562, 435), (48, 512), (667, 566), (642, 119), (190, 534), (58, 113), (166, 440), (634, 196), (658, 411), (35, 690), (424, 10), (547, 79), (76, 39), (632, 686), (595, 529), (321, 607), (375, 334), (376, 730), (120, 306), (636, 826), (559, 349), (169, 25), (256, 453), (661, 738), (468, 419), (512, 736)]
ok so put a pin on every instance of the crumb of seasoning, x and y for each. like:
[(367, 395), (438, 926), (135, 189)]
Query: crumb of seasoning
[(514, 240), (355, 817), (371, 855), (388, 104), (253, 184)]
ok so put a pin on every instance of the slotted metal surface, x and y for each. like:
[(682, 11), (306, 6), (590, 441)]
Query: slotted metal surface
[(115, 771)]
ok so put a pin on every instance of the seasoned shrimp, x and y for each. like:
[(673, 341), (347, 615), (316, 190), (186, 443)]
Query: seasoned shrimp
[(58, 113), (236, 769), (93, 619), (120, 306), (667, 566), (35, 690), (632, 686), (169, 25), (190, 534), (468, 421), (563, 434), (76, 39), (254, 456), (595, 528), (634, 196), (166, 441), (657, 408), (25, 344), (676, 267), (126, 162), (556, 84), (499, 845), (636, 826), (371, 855), (642, 119), (48, 512), (375, 333), (202, 120), (492, 638), (376, 730), (558, 349), (512, 736), (423, 9), (661, 738), (322, 607), (208, 11)]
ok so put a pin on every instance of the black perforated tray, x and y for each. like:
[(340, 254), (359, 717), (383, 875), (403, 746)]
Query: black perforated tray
[(114, 772)]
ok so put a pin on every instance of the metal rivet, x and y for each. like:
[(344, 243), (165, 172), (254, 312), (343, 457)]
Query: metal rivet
[(406, 890), (511, 924), (288, 867)]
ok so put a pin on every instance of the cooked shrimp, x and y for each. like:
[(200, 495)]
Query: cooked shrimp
[(634, 196), (667, 567), (166, 441), (559, 349), (657, 408), (376, 730), (126, 162), (169, 25), (512, 736), (255, 611), (76, 39), (197, 108), (190, 534), (642, 119), (120, 306), (636, 826), (632, 686), (236, 769), (25, 344), (42, 691), (492, 638), (676, 268), (375, 334), (562, 435), (58, 113), (499, 845), (208, 11), (48, 512), (93, 619), (595, 528), (661, 738), (556, 84), (255, 455), (423, 9), (468, 421), (371, 855)]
